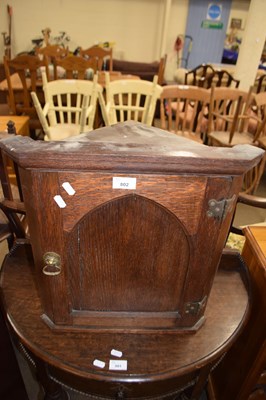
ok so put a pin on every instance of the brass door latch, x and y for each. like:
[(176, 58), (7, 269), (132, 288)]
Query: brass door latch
[(52, 263)]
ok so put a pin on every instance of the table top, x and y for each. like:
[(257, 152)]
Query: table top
[(18, 119), (21, 122), (149, 355)]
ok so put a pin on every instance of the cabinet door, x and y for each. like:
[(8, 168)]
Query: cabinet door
[(129, 258)]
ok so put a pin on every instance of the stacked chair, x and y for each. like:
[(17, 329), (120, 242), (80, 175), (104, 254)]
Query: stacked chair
[(53, 53), (101, 55), (236, 117), (22, 74)]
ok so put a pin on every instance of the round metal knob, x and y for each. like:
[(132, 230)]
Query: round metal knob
[(52, 263)]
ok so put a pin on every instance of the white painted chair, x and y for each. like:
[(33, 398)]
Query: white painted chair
[(130, 99), (70, 107)]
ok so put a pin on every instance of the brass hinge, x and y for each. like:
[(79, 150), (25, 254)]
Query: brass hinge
[(194, 307), (220, 208)]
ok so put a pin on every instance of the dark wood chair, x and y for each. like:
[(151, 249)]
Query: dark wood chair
[(52, 53), (251, 201), (260, 83), (25, 72), (219, 77), (77, 67), (5, 230), (12, 204), (12, 211), (101, 55), (205, 75), (197, 76)]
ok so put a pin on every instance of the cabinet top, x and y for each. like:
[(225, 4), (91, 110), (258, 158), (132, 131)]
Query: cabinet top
[(131, 146)]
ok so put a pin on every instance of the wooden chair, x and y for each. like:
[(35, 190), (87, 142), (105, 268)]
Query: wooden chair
[(52, 53), (231, 115), (253, 177), (260, 83), (12, 204), (219, 77), (100, 54), (197, 75), (5, 230), (161, 70), (28, 69), (129, 99), (261, 110), (183, 109), (70, 106), (250, 200), (77, 67), (249, 197)]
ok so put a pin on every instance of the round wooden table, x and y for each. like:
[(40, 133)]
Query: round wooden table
[(159, 365)]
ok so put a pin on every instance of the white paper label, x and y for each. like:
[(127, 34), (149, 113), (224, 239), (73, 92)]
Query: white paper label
[(59, 201), (124, 182), (99, 363), (120, 365), (68, 188), (116, 353)]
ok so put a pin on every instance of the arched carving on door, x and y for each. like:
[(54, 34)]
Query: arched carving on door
[(129, 254)]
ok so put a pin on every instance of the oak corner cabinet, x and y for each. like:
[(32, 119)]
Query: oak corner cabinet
[(127, 225)]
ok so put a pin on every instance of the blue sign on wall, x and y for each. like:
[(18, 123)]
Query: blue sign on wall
[(208, 34), (214, 12)]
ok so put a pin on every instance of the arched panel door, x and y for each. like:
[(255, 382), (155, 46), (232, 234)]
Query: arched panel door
[(131, 256)]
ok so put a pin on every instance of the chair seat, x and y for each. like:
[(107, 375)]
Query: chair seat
[(222, 138), (63, 131)]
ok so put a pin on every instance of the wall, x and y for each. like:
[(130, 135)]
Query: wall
[(134, 25), (239, 10), (234, 36)]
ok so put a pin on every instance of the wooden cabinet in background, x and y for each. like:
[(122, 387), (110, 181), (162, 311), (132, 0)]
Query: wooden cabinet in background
[(242, 373)]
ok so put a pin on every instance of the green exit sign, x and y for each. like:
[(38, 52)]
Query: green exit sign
[(207, 24)]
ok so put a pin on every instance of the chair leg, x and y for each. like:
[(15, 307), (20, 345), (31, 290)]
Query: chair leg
[(10, 242)]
